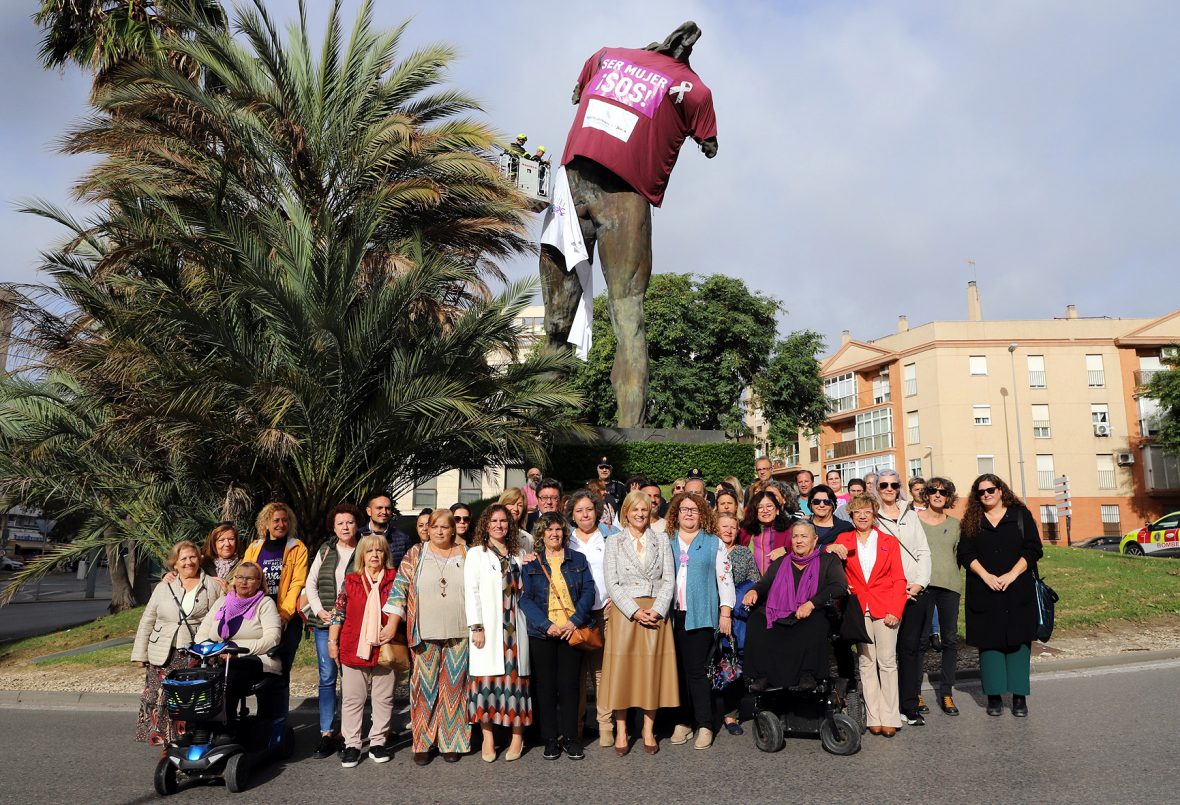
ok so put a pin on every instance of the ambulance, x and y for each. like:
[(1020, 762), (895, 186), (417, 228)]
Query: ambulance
[(1161, 538)]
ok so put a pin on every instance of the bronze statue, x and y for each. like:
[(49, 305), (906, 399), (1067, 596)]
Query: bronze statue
[(635, 109)]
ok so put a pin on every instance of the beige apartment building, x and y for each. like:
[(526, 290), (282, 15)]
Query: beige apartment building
[(1028, 400)]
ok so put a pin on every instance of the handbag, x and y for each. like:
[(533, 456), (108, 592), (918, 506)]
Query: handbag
[(585, 638), (852, 623), (394, 655), (1046, 601), (725, 666)]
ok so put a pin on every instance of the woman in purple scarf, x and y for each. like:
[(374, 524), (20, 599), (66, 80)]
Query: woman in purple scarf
[(787, 632)]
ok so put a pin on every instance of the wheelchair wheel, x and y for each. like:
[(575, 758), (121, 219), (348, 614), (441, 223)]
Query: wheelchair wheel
[(237, 774), (840, 735), (165, 778), (855, 707), (768, 731)]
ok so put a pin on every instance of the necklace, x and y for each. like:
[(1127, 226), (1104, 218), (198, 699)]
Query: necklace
[(442, 569)]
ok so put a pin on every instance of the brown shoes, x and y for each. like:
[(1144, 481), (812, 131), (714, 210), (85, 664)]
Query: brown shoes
[(421, 758), (874, 730), (889, 732)]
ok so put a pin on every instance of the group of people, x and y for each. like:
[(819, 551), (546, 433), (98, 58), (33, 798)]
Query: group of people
[(508, 623)]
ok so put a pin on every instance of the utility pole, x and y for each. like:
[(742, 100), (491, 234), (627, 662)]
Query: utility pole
[(1016, 405), (930, 449)]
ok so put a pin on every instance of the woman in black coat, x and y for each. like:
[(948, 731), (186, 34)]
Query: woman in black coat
[(1000, 546), (795, 646)]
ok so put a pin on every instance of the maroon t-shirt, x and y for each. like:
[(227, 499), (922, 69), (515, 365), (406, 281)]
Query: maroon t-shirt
[(637, 109)]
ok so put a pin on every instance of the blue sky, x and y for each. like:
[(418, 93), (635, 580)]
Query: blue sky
[(867, 149)]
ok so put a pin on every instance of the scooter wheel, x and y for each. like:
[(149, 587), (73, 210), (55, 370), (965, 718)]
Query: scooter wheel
[(237, 774), (840, 734), (165, 778), (287, 751), (768, 731)]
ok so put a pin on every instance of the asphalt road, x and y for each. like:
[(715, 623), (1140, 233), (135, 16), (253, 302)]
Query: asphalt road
[(1093, 736), (56, 602)]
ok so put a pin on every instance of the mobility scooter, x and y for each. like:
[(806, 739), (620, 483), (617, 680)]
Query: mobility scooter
[(211, 748), (829, 710)]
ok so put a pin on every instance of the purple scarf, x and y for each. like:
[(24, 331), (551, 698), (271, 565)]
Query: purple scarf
[(229, 618), (784, 596)]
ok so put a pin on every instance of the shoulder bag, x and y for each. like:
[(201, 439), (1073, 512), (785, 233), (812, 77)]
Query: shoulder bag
[(1047, 598), (585, 638)]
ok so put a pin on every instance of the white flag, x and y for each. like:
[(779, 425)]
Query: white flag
[(561, 231)]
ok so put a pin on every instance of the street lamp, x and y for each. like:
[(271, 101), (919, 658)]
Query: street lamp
[(1016, 406), (930, 450)]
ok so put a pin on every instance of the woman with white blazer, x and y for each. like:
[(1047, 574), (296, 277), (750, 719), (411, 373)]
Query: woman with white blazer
[(498, 669), (167, 627), (639, 658)]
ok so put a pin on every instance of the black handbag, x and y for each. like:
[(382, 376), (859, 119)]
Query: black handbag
[(852, 625), (1046, 601)]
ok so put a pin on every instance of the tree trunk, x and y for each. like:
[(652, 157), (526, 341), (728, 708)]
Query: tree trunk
[(122, 594)]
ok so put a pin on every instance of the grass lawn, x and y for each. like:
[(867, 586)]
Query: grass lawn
[(1096, 589)]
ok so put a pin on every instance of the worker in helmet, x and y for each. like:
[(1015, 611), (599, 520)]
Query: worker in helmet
[(517, 147), (540, 156)]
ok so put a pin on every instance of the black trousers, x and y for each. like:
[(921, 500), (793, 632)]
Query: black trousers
[(241, 674), (947, 603), (693, 650), (555, 669), (909, 653), (289, 643)]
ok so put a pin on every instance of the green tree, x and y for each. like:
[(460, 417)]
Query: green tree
[(1165, 389), (282, 293), (708, 338), (789, 390)]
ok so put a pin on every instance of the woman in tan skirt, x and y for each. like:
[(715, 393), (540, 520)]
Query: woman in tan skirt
[(639, 660)]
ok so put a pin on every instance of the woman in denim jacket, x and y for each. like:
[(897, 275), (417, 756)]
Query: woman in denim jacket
[(558, 598)]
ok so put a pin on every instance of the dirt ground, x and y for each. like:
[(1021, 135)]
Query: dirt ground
[(1118, 639)]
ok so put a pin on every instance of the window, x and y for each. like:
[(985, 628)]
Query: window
[(841, 390), (426, 494), (858, 468), (470, 486), (915, 467), (1049, 522), (1099, 414), (1045, 476), (1036, 371), (874, 430), (515, 477), (978, 364), (1112, 525), (982, 414), (1162, 470), (1095, 375), (985, 465), (1149, 417), (1105, 471), (911, 427), (909, 379), (880, 390), (1040, 422)]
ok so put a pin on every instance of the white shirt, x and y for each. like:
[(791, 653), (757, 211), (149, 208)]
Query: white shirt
[(867, 553), (659, 526), (725, 588), (343, 566), (594, 550)]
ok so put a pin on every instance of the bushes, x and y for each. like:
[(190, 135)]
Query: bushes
[(661, 462)]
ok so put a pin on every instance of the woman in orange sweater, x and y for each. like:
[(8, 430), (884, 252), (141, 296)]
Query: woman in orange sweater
[(876, 577)]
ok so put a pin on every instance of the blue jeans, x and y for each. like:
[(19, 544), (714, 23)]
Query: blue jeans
[(328, 672)]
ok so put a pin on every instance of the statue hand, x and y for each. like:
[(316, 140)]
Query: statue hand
[(709, 147)]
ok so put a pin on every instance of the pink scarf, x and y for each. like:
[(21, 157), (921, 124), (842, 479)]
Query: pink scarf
[(235, 610), (371, 622)]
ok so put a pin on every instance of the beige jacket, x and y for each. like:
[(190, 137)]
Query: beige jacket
[(163, 628), (259, 634)]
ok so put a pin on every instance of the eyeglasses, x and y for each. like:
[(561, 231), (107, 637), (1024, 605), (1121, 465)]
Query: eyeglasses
[(821, 502), (937, 491), (889, 485), (548, 498), (689, 511), (991, 490)]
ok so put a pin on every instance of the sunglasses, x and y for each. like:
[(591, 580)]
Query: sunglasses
[(821, 502), (991, 490), (604, 466), (459, 518), (937, 491), (889, 485)]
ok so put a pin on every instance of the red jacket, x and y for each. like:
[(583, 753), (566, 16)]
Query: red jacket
[(353, 596), (884, 593)]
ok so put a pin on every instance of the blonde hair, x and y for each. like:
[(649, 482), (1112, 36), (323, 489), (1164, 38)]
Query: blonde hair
[(445, 514), (863, 501), (174, 554), (358, 555), (262, 522), (513, 495), (257, 568), (632, 500)]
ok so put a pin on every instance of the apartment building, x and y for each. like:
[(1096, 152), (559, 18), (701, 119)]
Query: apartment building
[(1028, 400)]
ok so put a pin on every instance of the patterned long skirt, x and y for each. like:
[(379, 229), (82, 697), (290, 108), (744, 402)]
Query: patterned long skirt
[(438, 693), (155, 726), (504, 699)]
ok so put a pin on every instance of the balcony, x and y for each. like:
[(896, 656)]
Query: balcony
[(1106, 479), (1041, 429), (1143, 377), (842, 449), (1096, 378), (910, 386), (1045, 479), (838, 405), (871, 444), (1036, 378)]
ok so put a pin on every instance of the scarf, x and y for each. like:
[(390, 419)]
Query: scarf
[(235, 610), (784, 596), (763, 545), (371, 622)]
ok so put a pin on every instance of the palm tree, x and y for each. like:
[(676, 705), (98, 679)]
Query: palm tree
[(283, 290), (103, 35)]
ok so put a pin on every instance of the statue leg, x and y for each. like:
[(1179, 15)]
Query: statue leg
[(561, 290), (624, 249)]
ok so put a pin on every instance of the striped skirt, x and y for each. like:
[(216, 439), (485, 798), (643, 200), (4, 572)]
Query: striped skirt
[(438, 696)]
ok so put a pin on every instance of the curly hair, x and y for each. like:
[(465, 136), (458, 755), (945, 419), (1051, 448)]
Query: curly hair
[(262, 522), (973, 517), (708, 522), (358, 516), (544, 520), (577, 496), (481, 535)]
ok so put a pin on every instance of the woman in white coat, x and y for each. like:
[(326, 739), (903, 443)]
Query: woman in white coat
[(498, 669)]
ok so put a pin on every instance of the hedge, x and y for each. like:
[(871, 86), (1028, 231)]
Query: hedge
[(660, 462)]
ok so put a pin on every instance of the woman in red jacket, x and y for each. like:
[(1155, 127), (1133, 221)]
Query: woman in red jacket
[(877, 579), (354, 641)]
